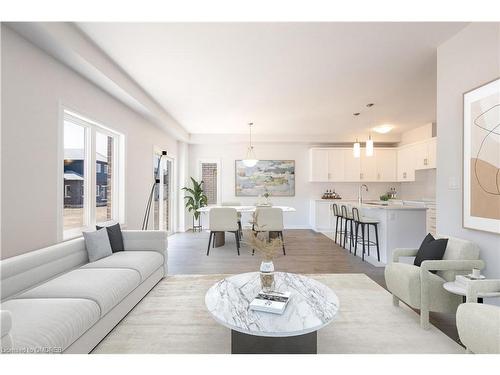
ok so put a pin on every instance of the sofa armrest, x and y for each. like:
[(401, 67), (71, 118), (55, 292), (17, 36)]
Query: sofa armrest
[(5, 327), (147, 240), (450, 265), (474, 287), (397, 253)]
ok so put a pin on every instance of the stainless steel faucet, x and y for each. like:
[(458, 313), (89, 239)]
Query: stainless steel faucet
[(360, 193)]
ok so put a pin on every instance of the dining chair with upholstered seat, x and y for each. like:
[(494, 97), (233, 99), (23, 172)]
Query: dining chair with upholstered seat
[(270, 219), (235, 204), (223, 219)]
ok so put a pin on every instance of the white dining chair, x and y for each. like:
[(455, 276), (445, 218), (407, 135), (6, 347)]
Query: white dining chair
[(235, 204), (269, 219), (223, 219)]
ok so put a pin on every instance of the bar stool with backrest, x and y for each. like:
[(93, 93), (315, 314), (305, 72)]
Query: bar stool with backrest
[(346, 227), (365, 224), (223, 219), (235, 204), (269, 219), (338, 217)]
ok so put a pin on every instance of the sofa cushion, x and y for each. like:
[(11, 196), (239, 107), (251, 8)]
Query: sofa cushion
[(106, 287), (49, 325), (115, 237), (144, 262), (97, 244)]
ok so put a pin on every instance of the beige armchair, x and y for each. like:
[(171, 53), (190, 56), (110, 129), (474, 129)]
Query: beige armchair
[(479, 325), (421, 289)]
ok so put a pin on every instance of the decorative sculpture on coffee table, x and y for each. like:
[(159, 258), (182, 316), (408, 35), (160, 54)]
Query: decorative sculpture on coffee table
[(269, 248)]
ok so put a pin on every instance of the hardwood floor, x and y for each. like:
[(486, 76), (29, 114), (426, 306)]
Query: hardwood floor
[(307, 252)]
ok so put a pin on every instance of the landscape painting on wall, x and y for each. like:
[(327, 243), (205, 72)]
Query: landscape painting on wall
[(481, 182), (276, 177)]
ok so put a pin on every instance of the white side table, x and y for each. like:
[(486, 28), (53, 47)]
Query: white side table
[(459, 289)]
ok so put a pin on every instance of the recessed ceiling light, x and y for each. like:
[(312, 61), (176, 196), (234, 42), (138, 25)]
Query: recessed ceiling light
[(383, 129)]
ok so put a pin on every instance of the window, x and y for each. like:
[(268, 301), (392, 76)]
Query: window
[(67, 191), (93, 175), (209, 173)]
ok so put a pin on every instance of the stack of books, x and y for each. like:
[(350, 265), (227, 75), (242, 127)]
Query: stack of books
[(464, 279), (271, 302)]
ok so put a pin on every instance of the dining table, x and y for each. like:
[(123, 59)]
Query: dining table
[(220, 237)]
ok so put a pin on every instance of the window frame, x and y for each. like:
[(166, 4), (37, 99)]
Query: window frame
[(219, 174), (90, 171)]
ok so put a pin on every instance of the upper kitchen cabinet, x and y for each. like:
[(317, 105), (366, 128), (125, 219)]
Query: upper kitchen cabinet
[(386, 164), (368, 171), (416, 156), (352, 166), (318, 165), (336, 164), (406, 163)]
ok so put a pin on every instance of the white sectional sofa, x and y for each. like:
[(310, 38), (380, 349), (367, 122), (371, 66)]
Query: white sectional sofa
[(53, 300)]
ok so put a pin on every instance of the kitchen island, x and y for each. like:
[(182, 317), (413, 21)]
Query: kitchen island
[(400, 225)]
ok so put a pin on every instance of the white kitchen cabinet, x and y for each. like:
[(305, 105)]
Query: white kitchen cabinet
[(368, 171), (318, 165), (406, 163), (386, 164), (336, 165), (420, 155), (432, 153), (352, 166), (322, 216)]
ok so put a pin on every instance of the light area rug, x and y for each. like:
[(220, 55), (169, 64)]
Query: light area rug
[(173, 318)]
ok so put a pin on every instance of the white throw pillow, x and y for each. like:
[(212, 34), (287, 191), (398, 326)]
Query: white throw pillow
[(97, 244)]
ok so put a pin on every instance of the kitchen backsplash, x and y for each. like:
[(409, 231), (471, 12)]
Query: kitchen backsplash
[(424, 186)]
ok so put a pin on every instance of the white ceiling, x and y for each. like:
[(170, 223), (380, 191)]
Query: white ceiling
[(290, 79)]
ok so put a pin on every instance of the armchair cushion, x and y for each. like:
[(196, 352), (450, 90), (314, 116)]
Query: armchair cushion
[(430, 249), (404, 281)]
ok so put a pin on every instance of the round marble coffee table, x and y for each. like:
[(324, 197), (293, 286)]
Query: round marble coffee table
[(312, 306)]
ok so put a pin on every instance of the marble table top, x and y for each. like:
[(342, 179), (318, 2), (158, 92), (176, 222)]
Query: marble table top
[(312, 306)]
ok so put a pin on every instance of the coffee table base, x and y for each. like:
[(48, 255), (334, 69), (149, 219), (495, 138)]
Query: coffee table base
[(241, 343)]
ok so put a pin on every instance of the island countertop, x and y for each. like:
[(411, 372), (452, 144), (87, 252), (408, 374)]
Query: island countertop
[(374, 204)]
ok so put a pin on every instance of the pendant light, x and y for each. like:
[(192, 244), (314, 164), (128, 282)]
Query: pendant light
[(356, 148), (369, 146), (369, 142), (250, 158)]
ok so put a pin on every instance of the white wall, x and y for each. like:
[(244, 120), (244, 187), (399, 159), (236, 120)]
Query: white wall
[(34, 85), (304, 190), (468, 60)]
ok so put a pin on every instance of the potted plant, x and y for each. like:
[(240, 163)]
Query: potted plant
[(195, 200)]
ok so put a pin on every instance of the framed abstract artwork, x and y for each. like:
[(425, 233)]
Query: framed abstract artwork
[(276, 177), (481, 158)]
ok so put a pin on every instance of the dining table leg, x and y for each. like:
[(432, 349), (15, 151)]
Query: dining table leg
[(220, 239)]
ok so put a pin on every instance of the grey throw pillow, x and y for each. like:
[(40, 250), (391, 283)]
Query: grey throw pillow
[(97, 244)]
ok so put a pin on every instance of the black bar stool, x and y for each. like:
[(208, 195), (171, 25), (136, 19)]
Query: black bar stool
[(346, 227), (338, 217), (365, 224)]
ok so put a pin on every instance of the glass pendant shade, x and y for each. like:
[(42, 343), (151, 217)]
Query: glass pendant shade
[(356, 149), (369, 147), (250, 158)]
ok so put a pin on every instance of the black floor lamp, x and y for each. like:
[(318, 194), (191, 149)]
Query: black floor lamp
[(145, 220)]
